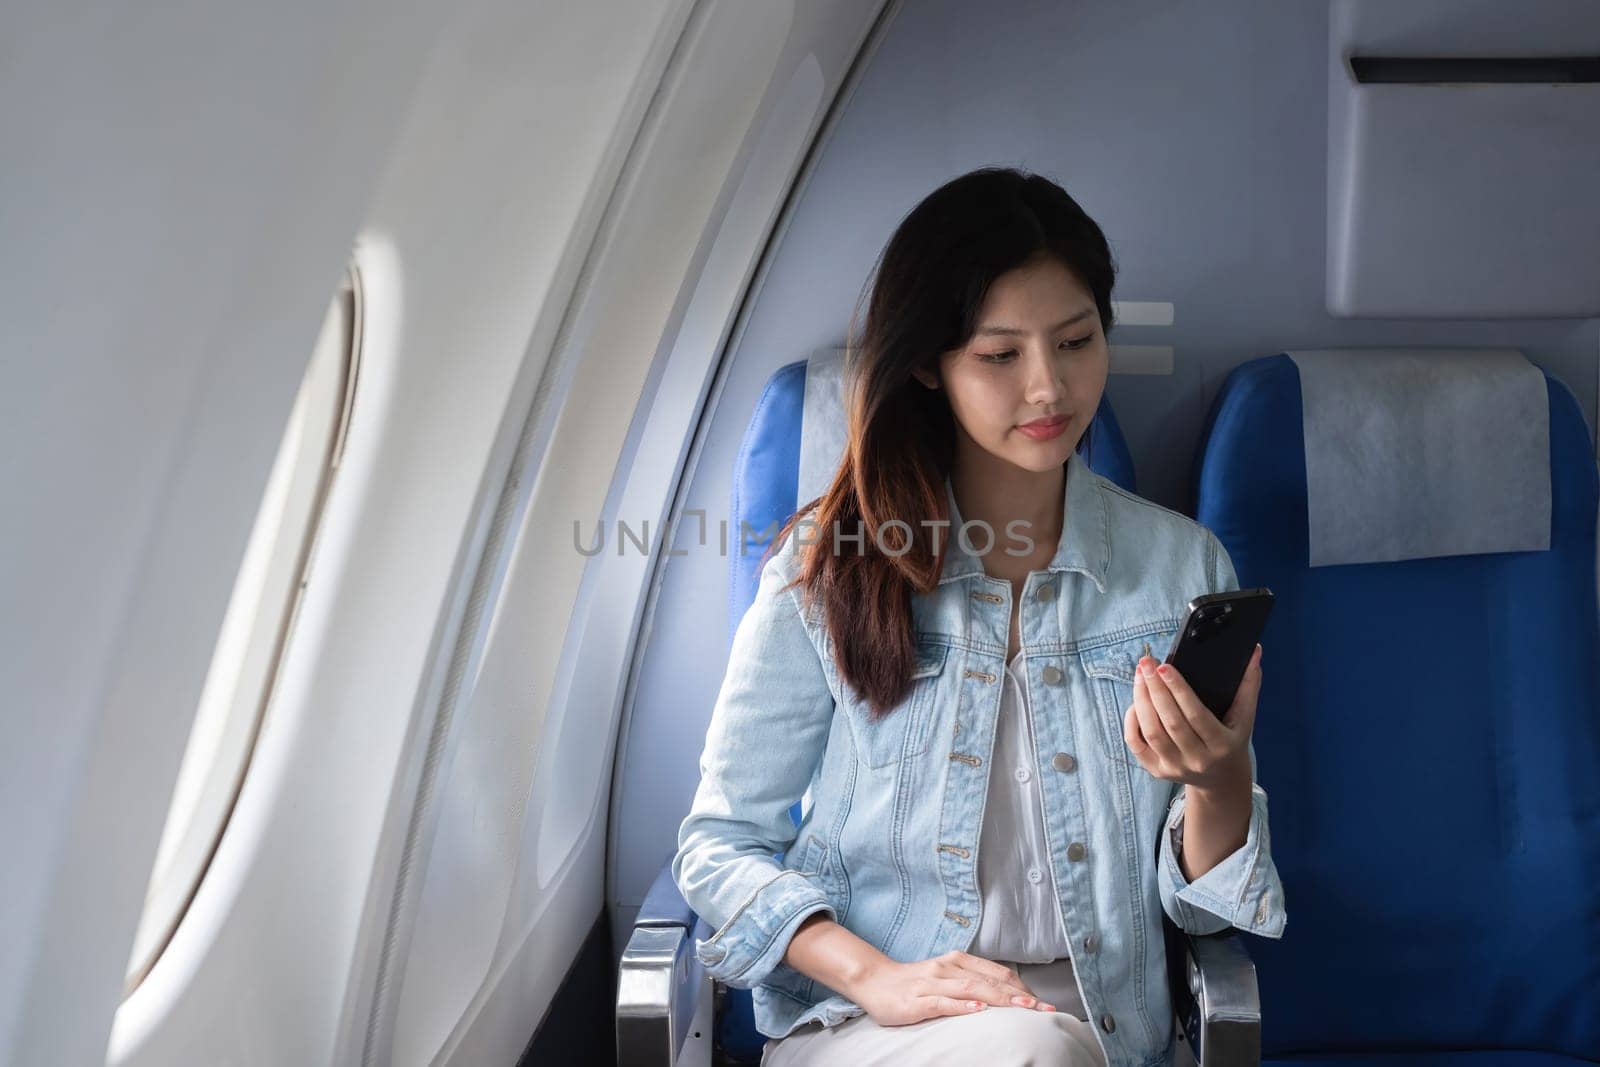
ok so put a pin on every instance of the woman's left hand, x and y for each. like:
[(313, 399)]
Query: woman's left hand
[(1175, 737)]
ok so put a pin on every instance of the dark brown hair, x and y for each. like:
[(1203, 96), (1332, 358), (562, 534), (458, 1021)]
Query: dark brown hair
[(928, 287)]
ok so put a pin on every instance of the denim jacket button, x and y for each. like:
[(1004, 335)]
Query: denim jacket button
[(1108, 1024), (1091, 943), (1052, 675), (1075, 851), (1063, 762), (1045, 592)]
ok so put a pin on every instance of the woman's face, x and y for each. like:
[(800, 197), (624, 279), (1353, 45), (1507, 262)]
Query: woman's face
[(1038, 352)]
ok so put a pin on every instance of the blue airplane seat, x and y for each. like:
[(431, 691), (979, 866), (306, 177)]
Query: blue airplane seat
[(766, 479), (1429, 724)]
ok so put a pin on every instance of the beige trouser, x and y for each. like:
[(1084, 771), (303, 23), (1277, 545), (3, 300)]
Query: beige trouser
[(994, 1036)]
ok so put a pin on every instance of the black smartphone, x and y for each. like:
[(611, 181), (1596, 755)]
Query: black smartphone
[(1213, 649)]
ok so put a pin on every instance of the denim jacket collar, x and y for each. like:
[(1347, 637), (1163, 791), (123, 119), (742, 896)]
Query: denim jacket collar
[(1085, 544)]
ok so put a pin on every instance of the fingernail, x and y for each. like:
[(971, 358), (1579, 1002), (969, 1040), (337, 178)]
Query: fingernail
[(1046, 1007), (974, 1004), (1026, 1002), (1164, 670), (1145, 667)]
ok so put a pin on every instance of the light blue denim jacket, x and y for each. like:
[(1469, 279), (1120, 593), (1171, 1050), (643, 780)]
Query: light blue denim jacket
[(889, 845)]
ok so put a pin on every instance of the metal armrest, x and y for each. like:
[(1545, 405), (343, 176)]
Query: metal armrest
[(664, 904), (659, 980), (1214, 991)]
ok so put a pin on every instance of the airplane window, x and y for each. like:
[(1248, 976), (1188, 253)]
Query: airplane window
[(255, 629)]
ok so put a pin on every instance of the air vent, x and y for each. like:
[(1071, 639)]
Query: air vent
[(1488, 70)]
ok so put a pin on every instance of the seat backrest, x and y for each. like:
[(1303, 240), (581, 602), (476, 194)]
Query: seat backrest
[(1428, 728), (789, 420)]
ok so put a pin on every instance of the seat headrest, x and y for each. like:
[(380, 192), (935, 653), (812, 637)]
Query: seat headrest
[(823, 424), (1412, 453)]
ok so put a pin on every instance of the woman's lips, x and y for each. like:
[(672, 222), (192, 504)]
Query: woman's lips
[(1045, 429)]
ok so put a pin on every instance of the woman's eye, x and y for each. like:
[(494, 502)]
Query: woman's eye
[(1002, 357)]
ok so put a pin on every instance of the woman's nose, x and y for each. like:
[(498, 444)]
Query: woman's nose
[(1044, 381)]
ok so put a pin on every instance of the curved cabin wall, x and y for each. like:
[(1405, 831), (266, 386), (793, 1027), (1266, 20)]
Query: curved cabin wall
[(182, 185), (557, 252)]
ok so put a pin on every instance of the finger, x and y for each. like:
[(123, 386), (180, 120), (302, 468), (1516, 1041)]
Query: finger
[(1155, 734), (955, 964), (1154, 762), (998, 973), (1170, 714), (1204, 724), (1241, 714), (938, 1005), (1026, 999), (1132, 735), (974, 988), (1012, 991)]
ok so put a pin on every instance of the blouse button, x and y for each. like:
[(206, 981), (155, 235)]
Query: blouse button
[(1052, 675), (1022, 774), (1035, 875)]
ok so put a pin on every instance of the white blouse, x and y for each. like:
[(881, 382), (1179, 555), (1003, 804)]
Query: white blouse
[(1021, 917)]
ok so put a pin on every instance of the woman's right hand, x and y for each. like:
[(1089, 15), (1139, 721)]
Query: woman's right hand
[(957, 983)]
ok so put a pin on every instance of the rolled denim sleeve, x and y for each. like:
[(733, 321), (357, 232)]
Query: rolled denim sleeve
[(1243, 889), (767, 734)]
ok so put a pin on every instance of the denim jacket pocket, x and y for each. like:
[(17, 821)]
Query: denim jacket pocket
[(1110, 670), (810, 858), (903, 732)]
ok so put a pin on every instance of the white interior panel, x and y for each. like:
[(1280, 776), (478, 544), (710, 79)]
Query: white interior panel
[(182, 186)]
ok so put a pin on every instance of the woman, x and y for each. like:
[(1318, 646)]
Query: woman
[(957, 653)]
